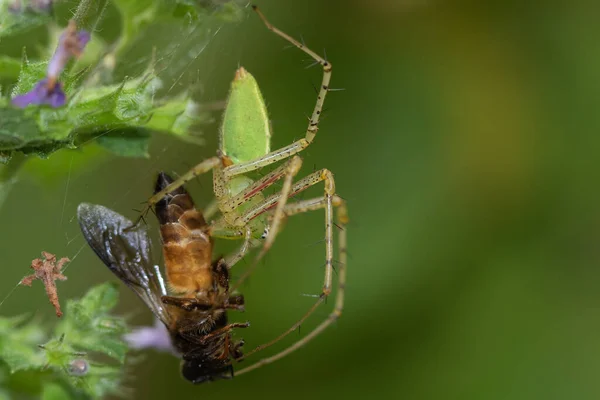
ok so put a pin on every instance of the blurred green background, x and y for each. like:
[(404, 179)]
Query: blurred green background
[(466, 144)]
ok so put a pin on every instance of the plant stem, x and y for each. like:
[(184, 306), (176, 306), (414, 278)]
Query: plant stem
[(82, 10)]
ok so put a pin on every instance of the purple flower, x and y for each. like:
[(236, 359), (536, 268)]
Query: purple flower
[(49, 90), (41, 5), (44, 92), (36, 6), (15, 6), (70, 44), (154, 337)]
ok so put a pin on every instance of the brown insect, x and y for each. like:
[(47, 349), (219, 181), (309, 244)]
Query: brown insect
[(195, 315), (199, 329), (48, 270)]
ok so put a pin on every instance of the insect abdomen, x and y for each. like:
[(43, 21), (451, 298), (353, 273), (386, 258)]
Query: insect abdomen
[(187, 248)]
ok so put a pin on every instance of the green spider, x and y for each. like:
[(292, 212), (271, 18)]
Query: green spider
[(245, 212)]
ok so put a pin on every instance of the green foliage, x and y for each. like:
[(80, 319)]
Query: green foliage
[(91, 327), (139, 14), (45, 370), (127, 112), (122, 113), (14, 22), (18, 342), (118, 112), (106, 105)]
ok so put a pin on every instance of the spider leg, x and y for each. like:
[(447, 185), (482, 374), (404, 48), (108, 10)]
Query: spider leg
[(199, 169), (313, 123), (278, 200), (342, 220), (233, 259)]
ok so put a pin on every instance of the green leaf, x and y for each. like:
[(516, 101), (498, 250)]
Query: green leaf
[(138, 14), (57, 351), (98, 300), (17, 129), (46, 372), (126, 142), (31, 73), (19, 356), (88, 327), (142, 15), (100, 381), (54, 391), (122, 116), (18, 343), (14, 22), (180, 117)]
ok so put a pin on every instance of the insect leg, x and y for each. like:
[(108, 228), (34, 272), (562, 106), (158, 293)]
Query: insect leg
[(224, 329), (187, 304), (342, 220)]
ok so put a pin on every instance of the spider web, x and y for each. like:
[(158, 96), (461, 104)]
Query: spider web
[(188, 58), (184, 58)]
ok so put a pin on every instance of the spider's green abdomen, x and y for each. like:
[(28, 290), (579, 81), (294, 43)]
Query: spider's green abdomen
[(245, 132)]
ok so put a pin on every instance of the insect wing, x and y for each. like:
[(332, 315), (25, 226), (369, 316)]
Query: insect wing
[(127, 253)]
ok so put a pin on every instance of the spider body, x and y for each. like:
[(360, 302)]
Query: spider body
[(242, 210)]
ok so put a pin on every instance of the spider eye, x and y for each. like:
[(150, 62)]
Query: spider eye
[(265, 233)]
